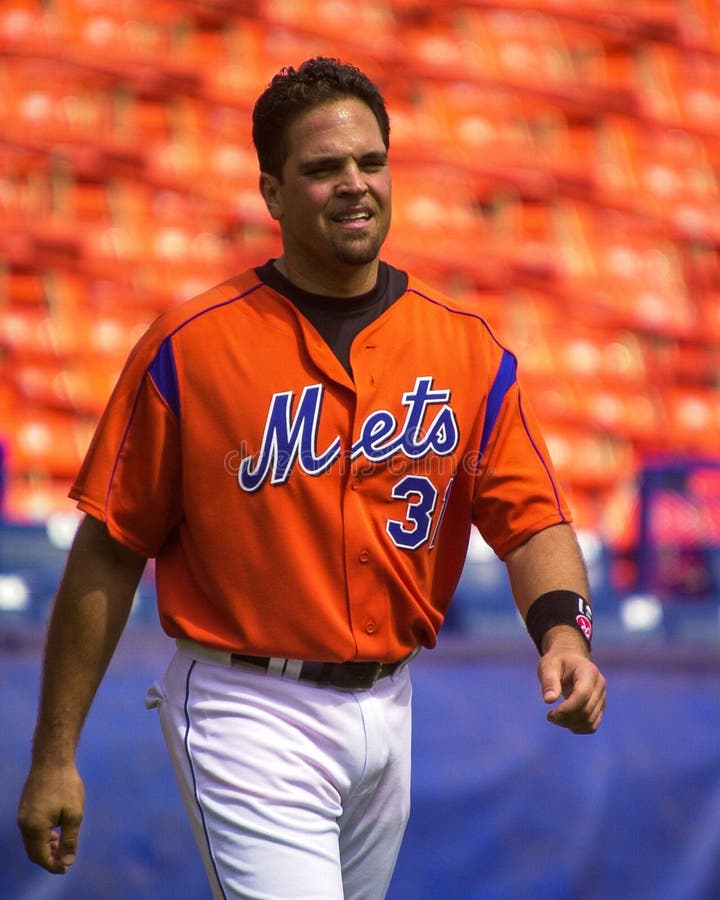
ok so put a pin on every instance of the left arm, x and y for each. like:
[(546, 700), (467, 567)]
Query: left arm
[(551, 560)]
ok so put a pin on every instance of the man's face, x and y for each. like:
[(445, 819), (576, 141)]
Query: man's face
[(333, 203)]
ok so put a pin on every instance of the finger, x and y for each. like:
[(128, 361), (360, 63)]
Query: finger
[(581, 717), (49, 816), (579, 704), (40, 846), (69, 833), (549, 672), (577, 724), (583, 685), (598, 712), (56, 853), (596, 718)]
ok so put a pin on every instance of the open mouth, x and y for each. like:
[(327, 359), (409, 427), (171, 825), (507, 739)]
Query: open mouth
[(353, 218)]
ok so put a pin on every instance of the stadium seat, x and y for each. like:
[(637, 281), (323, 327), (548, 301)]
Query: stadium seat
[(601, 356), (21, 287), (34, 101), (352, 28), (20, 20), (565, 146), (684, 363), (35, 498), (708, 304), (235, 63), (693, 419), (525, 231), (433, 52), (634, 413), (517, 42), (663, 173), (481, 130), (48, 443), (492, 305), (629, 273), (434, 214), (88, 383), (115, 40), (700, 26), (26, 331), (39, 382), (589, 460), (681, 85)]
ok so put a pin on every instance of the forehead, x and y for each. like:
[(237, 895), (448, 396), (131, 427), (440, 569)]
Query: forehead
[(345, 126)]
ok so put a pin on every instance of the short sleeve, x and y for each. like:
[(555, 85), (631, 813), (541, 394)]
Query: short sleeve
[(130, 477), (516, 492)]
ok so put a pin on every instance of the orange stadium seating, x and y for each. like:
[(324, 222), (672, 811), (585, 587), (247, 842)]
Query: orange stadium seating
[(555, 164)]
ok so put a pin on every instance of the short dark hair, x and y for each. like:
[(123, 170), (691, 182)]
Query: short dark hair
[(292, 92)]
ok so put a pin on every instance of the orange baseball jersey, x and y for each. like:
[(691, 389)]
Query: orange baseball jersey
[(295, 511)]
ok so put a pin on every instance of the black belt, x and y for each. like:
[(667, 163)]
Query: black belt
[(347, 676)]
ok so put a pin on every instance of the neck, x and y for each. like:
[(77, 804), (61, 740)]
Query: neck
[(353, 281)]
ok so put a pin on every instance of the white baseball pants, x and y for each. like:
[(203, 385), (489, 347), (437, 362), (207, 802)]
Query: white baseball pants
[(294, 791)]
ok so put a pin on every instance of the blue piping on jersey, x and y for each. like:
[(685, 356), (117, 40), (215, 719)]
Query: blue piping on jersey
[(505, 378), (162, 369), (163, 372), (487, 430), (544, 462), (136, 400)]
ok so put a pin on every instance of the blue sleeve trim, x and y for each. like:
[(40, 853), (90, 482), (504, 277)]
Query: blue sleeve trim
[(163, 373), (505, 378)]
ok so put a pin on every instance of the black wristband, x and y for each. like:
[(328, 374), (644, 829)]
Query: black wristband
[(559, 608)]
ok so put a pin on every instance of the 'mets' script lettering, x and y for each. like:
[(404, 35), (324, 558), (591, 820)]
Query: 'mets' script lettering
[(290, 439)]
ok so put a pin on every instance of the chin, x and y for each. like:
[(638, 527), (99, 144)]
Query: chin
[(358, 255)]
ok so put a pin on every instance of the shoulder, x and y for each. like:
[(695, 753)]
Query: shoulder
[(453, 305), (194, 310), (216, 298), (462, 313)]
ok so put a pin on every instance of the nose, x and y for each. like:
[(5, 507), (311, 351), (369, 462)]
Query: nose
[(352, 180)]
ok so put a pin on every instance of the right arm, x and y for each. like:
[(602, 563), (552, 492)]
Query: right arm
[(551, 560), (89, 614)]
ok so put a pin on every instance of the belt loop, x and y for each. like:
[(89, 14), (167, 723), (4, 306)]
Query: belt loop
[(405, 662), (292, 668), (276, 667), (201, 652)]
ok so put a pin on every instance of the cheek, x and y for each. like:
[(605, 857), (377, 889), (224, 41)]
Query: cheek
[(313, 197), (383, 191), (307, 214)]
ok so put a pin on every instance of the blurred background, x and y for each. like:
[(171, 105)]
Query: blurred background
[(555, 163)]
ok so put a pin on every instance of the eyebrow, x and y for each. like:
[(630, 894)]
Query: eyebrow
[(321, 161)]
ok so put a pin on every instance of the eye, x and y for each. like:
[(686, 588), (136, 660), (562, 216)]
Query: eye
[(373, 163), (320, 170), (374, 166)]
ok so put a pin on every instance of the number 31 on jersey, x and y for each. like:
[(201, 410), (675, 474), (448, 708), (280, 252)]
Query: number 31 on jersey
[(417, 528)]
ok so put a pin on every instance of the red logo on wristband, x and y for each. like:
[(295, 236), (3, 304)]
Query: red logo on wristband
[(585, 625)]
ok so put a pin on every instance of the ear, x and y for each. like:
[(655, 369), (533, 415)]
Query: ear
[(270, 189)]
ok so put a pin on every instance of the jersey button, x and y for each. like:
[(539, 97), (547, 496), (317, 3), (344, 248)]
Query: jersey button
[(364, 556), (370, 626), (355, 484)]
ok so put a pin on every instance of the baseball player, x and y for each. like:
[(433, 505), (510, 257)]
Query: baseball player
[(303, 450)]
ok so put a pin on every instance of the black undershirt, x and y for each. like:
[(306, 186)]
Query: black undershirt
[(340, 319)]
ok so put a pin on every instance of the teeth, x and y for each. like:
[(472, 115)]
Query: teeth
[(354, 218)]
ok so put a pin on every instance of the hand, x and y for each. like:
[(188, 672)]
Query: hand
[(49, 816), (568, 672)]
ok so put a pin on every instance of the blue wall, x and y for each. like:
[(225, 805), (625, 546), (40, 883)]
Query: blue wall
[(504, 805)]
